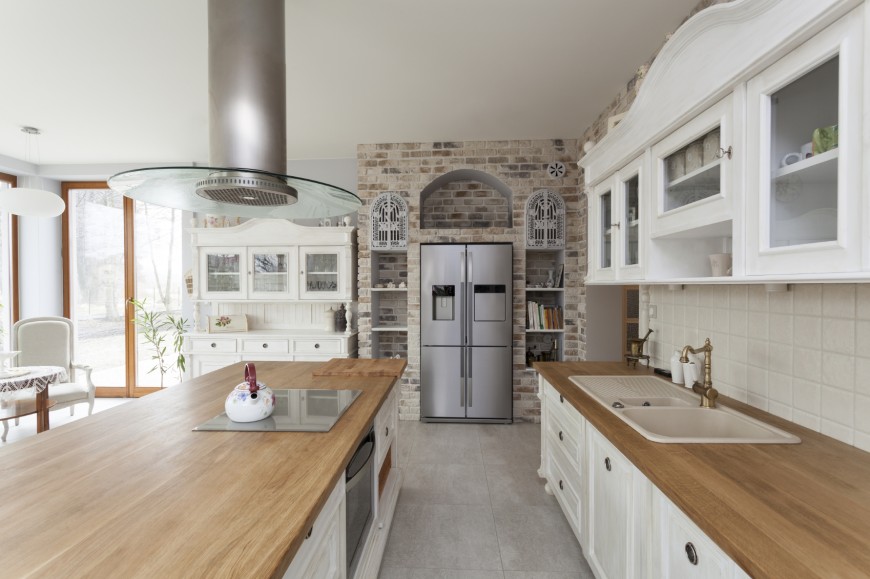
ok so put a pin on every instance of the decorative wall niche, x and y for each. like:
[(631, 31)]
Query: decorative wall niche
[(466, 199), (389, 215), (545, 220)]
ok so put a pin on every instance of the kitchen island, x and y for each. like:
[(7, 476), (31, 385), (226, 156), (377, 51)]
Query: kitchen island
[(134, 492), (778, 510)]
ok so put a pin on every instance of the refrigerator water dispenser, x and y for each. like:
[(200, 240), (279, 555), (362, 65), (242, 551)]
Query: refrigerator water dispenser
[(443, 297)]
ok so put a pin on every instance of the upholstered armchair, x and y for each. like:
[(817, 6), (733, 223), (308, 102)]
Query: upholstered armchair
[(50, 341)]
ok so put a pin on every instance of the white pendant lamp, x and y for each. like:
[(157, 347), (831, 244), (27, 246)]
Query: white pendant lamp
[(28, 201)]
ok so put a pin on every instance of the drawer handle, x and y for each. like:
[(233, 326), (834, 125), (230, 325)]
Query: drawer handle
[(561, 486), (387, 433), (561, 398), (213, 345), (691, 553), (311, 530), (316, 346), (607, 463), (562, 438), (265, 345)]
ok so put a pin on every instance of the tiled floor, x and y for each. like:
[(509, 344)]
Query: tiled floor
[(472, 507), (56, 419)]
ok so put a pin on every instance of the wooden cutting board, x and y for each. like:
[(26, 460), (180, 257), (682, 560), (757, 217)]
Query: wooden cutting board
[(362, 367)]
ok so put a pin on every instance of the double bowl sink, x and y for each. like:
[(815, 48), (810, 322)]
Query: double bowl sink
[(662, 412)]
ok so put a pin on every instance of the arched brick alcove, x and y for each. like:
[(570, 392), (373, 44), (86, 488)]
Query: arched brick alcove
[(464, 199)]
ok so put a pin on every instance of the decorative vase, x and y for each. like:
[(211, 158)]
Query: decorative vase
[(550, 280), (251, 400), (329, 326)]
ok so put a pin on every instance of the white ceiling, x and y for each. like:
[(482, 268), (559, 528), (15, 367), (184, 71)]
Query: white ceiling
[(124, 81)]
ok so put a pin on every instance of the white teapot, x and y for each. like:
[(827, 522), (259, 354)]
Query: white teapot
[(250, 400)]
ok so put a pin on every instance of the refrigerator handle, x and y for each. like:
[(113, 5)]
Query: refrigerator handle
[(470, 267), (462, 267), (462, 377), (463, 308), (469, 381)]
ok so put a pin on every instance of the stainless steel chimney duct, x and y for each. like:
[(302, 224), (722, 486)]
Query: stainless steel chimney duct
[(247, 129)]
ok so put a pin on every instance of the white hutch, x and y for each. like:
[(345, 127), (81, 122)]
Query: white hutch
[(287, 280)]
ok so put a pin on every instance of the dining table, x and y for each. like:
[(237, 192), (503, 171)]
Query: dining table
[(14, 380)]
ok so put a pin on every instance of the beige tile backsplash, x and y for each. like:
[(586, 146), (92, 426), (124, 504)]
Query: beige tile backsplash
[(803, 354)]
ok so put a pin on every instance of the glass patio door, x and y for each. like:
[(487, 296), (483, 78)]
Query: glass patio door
[(116, 249)]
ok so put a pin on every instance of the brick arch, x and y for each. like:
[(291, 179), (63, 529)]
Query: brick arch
[(466, 198)]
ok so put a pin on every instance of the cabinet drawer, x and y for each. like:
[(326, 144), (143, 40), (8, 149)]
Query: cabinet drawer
[(565, 482), (317, 346), (571, 419), (563, 434), (212, 345), (265, 345)]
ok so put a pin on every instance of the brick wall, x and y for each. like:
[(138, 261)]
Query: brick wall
[(407, 168)]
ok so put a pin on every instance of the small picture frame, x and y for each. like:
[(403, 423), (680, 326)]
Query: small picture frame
[(560, 282), (227, 323)]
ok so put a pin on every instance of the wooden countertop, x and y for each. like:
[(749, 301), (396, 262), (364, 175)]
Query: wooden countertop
[(133, 492), (778, 510)]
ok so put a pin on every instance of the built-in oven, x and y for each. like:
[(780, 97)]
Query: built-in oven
[(359, 484)]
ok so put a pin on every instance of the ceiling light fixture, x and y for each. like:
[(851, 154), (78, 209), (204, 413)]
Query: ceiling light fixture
[(247, 130), (31, 201)]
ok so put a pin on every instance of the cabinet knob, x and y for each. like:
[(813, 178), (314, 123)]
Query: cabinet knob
[(387, 432), (311, 530), (616, 225), (265, 345), (561, 486), (561, 398), (607, 463), (691, 553), (213, 345), (316, 346), (723, 152), (560, 436)]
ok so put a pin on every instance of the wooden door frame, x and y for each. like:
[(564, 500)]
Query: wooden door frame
[(13, 250), (129, 389)]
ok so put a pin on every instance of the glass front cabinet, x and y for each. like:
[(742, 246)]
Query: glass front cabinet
[(322, 275), (804, 157), (618, 225), (223, 273)]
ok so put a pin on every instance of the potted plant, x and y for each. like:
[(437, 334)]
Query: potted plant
[(155, 326)]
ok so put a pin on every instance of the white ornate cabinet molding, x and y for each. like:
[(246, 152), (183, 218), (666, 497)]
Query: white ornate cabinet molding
[(747, 138), (287, 279)]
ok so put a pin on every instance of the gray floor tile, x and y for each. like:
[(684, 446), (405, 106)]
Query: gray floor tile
[(546, 575), (511, 444), (405, 573), (445, 484), (537, 539), (517, 484), (443, 537), (446, 444)]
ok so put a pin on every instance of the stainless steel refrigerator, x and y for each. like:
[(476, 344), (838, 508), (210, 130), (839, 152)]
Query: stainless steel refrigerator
[(466, 333)]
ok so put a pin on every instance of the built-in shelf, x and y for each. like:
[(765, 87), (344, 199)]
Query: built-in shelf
[(390, 328), (531, 331), (389, 289), (693, 177), (545, 289), (820, 164)]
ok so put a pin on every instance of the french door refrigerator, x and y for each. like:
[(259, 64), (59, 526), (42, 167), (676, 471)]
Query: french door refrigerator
[(466, 332)]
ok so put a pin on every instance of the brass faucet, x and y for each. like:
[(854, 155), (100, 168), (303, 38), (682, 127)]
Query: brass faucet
[(706, 390)]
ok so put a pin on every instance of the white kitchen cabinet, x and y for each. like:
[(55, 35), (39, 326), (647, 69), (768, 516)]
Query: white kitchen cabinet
[(682, 550), (806, 201), (274, 260), (617, 222), (209, 352), (617, 512), (323, 553), (727, 114), (562, 452)]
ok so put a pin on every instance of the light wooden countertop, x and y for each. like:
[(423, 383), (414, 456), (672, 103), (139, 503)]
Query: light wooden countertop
[(779, 510), (133, 492)]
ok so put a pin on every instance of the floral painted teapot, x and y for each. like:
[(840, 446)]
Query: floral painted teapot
[(250, 400)]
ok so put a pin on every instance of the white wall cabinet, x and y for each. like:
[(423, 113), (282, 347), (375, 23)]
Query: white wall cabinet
[(727, 115), (618, 222), (627, 527), (806, 198)]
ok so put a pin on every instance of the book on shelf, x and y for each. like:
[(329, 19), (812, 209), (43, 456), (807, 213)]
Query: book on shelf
[(560, 277), (544, 317)]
